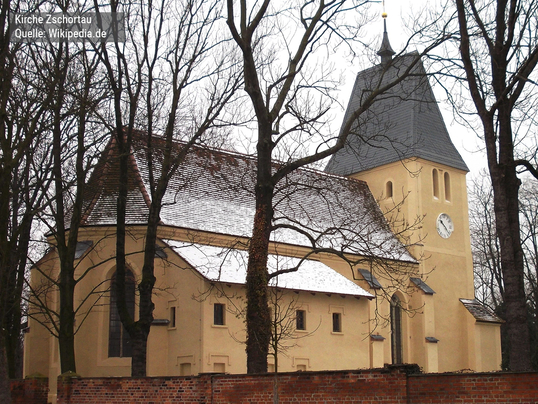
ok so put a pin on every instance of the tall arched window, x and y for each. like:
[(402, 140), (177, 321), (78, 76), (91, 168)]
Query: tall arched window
[(119, 344), (435, 180), (388, 189), (396, 330), (448, 196)]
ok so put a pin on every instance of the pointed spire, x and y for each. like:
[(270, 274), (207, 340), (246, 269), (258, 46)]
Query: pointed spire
[(385, 51)]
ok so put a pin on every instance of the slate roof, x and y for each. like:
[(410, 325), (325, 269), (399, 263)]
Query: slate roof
[(370, 279), (422, 286), (228, 265), (480, 312), (404, 123), (213, 191)]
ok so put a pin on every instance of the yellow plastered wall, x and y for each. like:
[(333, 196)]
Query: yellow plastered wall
[(195, 345), (445, 264), (490, 345)]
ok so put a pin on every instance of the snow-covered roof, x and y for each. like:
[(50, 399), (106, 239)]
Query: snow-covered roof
[(229, 265), (213, 191)]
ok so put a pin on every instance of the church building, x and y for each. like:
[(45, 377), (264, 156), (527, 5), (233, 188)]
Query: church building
[(391, 205)]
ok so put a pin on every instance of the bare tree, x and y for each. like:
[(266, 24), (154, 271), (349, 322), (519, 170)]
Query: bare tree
[(173, 77), (290, 92), (71, 74), (485, 244), (498, 54), (23, 171), (528, 199), (11, 158)]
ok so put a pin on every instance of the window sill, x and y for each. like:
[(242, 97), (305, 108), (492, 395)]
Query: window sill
[(115, 361), (219, 326), (337, 333)]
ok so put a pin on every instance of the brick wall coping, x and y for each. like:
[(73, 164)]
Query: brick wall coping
[(470, 373), (387, 369)]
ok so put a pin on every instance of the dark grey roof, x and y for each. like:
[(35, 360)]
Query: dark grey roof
[(480, 312), (370, 279), (403, 123), (422, 286)]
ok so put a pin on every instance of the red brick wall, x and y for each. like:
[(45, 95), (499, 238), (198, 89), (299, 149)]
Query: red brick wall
[(390, 385), (29, 391), (366, 387), (487, 388), (156, 390)]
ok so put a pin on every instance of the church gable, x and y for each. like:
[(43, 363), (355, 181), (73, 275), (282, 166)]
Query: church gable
[(101, 192)]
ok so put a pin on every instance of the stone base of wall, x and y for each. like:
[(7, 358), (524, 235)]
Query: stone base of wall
[(392, 384)]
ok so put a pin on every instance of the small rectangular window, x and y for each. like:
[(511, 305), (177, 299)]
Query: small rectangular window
[(300, 318), (218, 314), (172, 323), (337, 322)]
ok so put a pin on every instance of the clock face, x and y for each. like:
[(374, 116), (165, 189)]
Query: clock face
[(445, 227)]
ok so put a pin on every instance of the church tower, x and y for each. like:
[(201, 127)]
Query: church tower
[(402, 149)]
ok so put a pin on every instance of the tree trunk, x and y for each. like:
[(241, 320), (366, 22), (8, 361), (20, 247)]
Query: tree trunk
[(5, 392), (513, 279), (123, 143), (13, 314), (506, 205), (66, 338), (258, 311), (145, 288), (501, 33), (13, 341), (5, 387), (139, 341)]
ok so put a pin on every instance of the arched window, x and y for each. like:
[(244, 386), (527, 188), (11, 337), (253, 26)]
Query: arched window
[(396, 330), (447, 187), (119, 344), (388, 189), (435, 180)]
